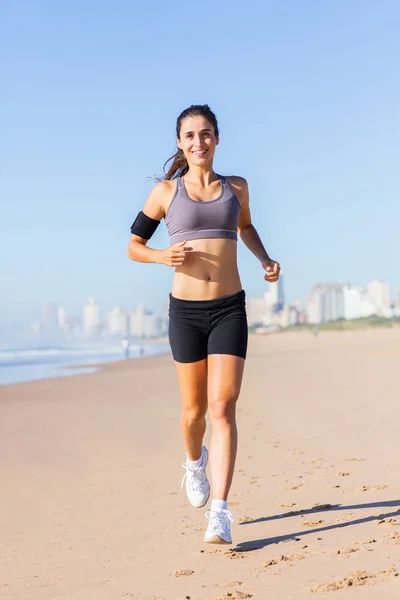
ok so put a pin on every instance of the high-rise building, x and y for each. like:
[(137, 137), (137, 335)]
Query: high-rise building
[(325, 303), (315, 306), (379, 295), (61, 317), (117, 321), (277, 296), (91, 315), (397, 304), (257, 310), (397, 300), (143, 323)]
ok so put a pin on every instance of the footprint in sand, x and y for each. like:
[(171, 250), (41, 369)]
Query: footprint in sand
[(347, 550), (284, 558), (341, 474), (388, 522), (234, 555), (231, 584), (352, 580), (295, 487), (392, 571), (245, 519), (313, 523), (182, 573), (288, 505), (371, 541), (235, 595), (367, 488), (355, 459), (321, 507)]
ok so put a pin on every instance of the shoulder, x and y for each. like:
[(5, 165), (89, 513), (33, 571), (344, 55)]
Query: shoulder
[(236, 181), (159, 198), (239, 186), (163, 188)]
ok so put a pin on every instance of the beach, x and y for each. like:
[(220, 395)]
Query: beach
[(90, 471)]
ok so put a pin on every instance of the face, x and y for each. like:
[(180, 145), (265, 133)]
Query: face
[(197, 140)]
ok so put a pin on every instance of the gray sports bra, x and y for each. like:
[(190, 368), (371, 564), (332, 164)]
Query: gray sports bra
[(189, 219)]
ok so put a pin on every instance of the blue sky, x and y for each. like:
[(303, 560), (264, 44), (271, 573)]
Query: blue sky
[(307, 98)]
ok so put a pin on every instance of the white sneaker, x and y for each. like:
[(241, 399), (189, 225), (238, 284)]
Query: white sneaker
[(219, 526), (197, 486)]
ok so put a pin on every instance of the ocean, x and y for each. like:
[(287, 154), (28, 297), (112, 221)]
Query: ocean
[(31, 364)]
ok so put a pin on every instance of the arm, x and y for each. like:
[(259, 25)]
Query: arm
[(155, 209), (248, 232)]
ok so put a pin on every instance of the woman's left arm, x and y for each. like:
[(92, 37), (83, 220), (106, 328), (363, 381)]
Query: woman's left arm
[(248, 232)]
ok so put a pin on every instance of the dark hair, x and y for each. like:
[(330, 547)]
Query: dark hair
[(179, 166)]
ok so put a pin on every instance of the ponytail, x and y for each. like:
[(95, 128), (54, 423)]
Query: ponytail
[(179, 166)]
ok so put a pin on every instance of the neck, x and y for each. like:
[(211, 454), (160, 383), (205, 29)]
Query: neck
[(202, 176)]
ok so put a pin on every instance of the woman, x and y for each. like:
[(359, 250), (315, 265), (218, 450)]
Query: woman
[(204, 212)]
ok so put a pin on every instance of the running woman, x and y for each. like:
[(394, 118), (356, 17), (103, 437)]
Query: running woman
[(204, 212)]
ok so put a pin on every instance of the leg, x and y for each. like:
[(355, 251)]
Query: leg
[(193, 386), (224, 381), (188, 339)]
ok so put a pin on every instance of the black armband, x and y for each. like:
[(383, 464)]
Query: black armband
[(144, 226)]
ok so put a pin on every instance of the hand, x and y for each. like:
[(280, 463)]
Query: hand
[(273, 269), (175, 255)]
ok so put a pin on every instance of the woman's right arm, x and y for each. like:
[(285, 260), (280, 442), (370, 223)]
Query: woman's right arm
[(154, 208)]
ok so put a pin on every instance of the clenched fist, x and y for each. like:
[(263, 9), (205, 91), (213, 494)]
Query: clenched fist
[(175, 255)]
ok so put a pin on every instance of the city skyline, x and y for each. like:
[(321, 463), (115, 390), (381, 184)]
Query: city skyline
[(325, 302), (155, 306)]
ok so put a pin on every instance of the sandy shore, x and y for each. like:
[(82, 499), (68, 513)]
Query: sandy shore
[(90, 473)]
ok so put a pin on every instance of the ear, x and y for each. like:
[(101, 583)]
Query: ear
[(216, 141), (178, 143)]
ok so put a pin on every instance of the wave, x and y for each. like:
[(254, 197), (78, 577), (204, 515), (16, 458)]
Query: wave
[(6, 355)]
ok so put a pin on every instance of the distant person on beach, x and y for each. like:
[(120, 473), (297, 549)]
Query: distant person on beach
[(204, 212), (315, 331), (125, 346)]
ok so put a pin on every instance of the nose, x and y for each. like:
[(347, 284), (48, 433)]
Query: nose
[(197, 141)]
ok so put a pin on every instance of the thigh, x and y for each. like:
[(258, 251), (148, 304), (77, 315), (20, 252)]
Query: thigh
[(225, 374), (187, 338), (193, 385), (229, 333)]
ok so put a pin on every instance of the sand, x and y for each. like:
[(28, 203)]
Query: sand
[(90, 469)]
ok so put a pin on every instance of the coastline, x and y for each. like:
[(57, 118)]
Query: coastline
[(90, 475)]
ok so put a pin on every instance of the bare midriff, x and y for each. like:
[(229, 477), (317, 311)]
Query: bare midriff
[(209, 272)]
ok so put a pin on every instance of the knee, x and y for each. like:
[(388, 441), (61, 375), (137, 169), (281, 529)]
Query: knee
[(192, 416), (223, 410)]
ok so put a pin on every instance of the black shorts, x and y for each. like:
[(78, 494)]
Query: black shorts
[(198, 328)]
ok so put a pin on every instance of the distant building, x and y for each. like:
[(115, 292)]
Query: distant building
[(379, 296), (325, 303), (276, 294), (397, 304), (117, 321), (143, 323), (256, 309), (293, 315), (91, 316), (61, 317)]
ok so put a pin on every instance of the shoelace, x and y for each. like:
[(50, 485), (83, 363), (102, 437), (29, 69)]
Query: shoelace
[(194, 482), (221, 516)]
